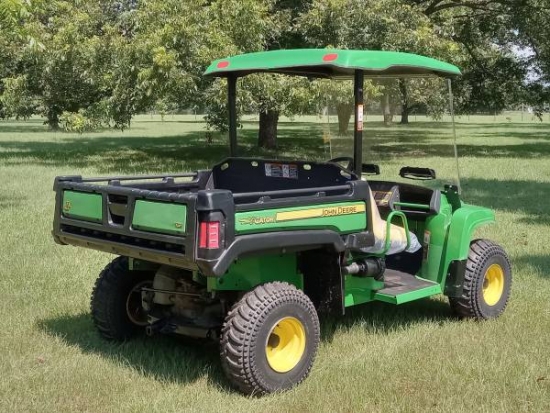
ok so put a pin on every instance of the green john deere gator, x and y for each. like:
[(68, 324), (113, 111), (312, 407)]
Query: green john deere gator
[(249, 252)]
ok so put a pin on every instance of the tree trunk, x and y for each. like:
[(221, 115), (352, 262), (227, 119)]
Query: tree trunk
[(404, 115), (405, 109), (386, 109), (52, 119), (267, 134), (344, 115)]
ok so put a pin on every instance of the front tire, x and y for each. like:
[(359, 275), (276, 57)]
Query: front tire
[(487, 282), (270, 339), (115, 305)]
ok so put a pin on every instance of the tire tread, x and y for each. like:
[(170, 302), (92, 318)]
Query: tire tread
[(468, 304), (242, 325), (108, 290)]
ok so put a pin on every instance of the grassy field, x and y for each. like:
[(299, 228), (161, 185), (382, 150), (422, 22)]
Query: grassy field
[(378, 358)]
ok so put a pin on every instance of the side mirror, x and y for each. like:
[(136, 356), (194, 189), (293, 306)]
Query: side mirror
[(370, 169), (422, 174)]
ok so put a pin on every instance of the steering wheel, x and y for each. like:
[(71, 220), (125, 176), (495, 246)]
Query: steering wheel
[(348, 160)]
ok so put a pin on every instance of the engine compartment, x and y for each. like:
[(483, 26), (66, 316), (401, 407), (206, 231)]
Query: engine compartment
[(178, 303)]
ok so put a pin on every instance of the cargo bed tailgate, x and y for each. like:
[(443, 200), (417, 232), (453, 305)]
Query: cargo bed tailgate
[(151, 222)]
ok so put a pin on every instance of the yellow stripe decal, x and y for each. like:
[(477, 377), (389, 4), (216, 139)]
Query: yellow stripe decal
[(344, 209)]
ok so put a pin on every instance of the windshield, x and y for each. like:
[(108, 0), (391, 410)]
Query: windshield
[(406, 123)]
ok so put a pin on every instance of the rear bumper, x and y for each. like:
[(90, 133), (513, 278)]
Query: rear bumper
[(148, 254)]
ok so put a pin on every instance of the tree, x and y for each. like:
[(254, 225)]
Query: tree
[(274, 95), (60, 64), (338, 94), (252, 26), (115, 58), (377, 25), (476, 36), (73, 62), (177, 40), (491, 32), (17, 38), (523, 23)]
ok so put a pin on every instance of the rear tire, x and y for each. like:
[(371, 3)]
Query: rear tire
[(116, 300), (487, 282), (269, 339)]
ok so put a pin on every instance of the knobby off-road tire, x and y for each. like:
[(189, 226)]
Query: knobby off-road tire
[(487, 282), (116, 300), (269, 339)]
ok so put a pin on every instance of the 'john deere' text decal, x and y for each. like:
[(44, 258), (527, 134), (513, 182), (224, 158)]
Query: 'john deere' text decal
[(300, 214)]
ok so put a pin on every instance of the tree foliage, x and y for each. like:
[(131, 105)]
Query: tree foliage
[(380, 25), (498, 36), (92, 64)]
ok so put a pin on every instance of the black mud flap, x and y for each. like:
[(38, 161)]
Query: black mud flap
[(455, 278), (323, 280)]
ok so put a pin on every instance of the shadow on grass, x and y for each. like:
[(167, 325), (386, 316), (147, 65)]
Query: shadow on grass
[(162, 357), (130, 154), (513, 126), (528, 197), (541, 263), (383, 318), (10, 200), (183, 360), (26, 126), (402, 149), (106, 154)]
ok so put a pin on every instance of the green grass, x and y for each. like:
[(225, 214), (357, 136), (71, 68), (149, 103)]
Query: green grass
[(377, 358)]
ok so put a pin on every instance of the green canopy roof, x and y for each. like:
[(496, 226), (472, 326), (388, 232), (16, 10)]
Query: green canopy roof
[(331, 63)]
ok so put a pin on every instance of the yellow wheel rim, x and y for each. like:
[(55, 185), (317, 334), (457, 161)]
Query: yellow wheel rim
[(493, 284), (286, 344)]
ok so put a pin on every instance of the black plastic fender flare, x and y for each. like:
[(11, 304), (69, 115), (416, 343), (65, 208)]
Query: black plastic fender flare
[(271, 241)]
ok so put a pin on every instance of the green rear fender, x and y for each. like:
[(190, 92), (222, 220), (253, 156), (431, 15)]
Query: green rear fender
[(464, 222)]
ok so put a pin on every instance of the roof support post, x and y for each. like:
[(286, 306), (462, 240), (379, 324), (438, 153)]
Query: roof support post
[(452, 112), (232, 106), (358, 122)]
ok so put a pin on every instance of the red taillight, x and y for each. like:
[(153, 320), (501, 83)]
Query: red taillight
[(213, 235), (209, 235), (202, 235)]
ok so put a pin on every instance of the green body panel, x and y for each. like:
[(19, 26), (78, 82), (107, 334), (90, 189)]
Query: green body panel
[(359, 290), (449, 238), (435, 232), (450, 234), (83, 205), (464, 222), (246, 273), (159, 217), (331, 63), (409, 296), (342, 217)]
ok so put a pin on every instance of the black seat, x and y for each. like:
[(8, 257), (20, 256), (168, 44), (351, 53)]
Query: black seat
[(389, 194)]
